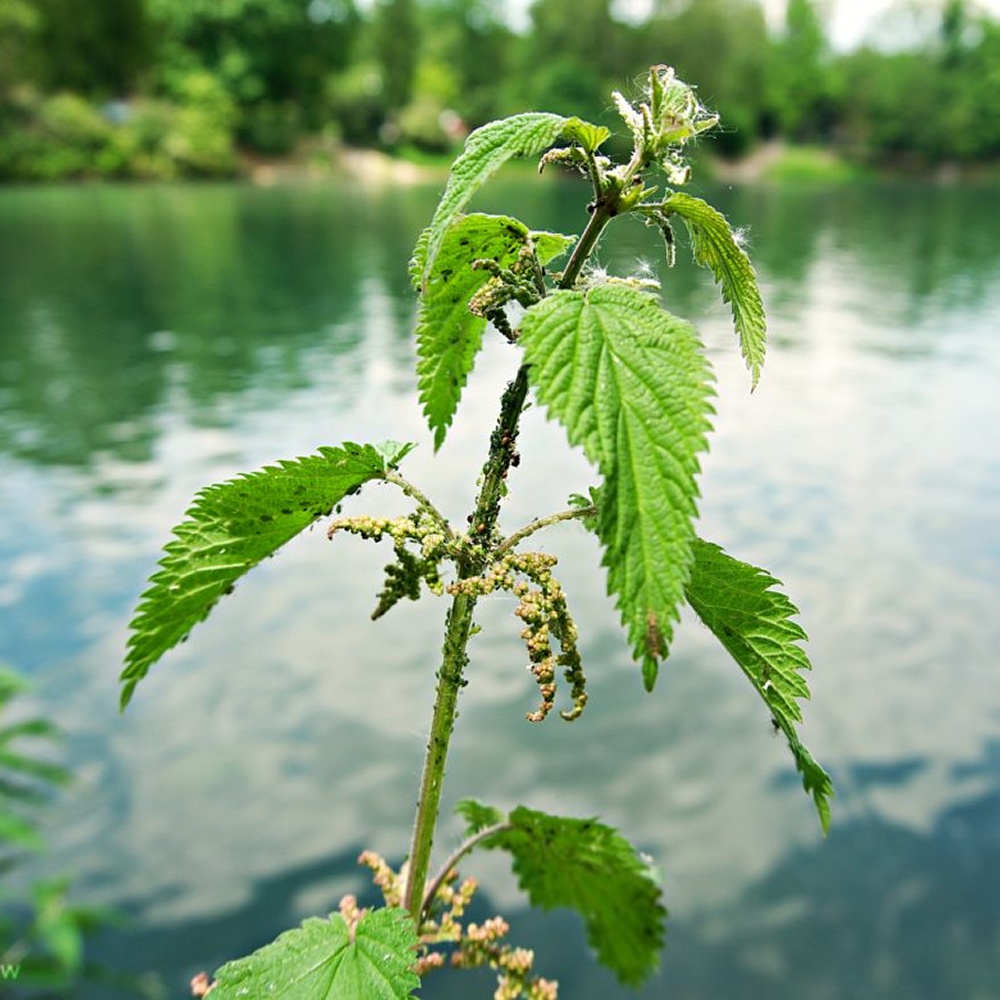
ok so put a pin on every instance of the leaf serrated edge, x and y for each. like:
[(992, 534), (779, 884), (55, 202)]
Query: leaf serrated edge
[(815, 780), (715, 246)]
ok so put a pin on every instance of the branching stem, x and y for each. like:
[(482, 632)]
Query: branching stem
[(464, 848), (457, 630), (391, 476), (458, 624), (512, 541)]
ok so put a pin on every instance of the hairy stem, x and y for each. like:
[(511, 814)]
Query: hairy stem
[(423, 502), (457, 856), (458, 625), (512, 541), (457, 630)]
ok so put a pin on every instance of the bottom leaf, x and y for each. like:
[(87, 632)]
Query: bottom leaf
[(369, 958)]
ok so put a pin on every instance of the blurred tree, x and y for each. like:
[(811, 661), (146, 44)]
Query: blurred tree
[(99, 49), (798, 74), (466, 40), (396, 35), (573, 52), (272, 56), (20, 24)]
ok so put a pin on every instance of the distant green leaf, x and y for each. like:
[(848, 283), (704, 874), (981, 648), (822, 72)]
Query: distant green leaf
[(33, 767), (230, 528), (11, 683), (57, 925), (589, 867), (16, 832), (630, 383), (477, 816), (328, 960), (487, 149), (448, 335), (715, 247), (754, 622)]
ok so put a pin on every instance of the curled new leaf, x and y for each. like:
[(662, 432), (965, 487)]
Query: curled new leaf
[(754, 622), (630, 384), (229, 529)]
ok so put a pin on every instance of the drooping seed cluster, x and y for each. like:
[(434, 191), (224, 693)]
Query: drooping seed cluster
[(546, 616), (472, 945), (403, 576), (421, 543)]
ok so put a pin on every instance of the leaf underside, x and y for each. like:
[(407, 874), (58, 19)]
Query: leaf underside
[(325, 960), (448, 335), (487, 149), (630, 383), (754, 622), (715, 247), (589, 867), (230, 528)]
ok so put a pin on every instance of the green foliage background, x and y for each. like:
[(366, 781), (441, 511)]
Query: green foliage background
[(172, 88)]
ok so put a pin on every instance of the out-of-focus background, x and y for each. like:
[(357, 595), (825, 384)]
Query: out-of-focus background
[(159, 336), (160, 89)]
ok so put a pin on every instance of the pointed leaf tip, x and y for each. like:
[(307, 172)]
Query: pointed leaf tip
[(630, 383), (230, 528), (754, 622), (487, 149), (449, 335)]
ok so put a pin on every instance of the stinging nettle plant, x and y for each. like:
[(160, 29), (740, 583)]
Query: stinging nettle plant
[(632, 387)]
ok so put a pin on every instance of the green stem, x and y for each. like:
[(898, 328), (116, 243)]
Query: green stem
[(458, 626), (601, 215), (457, 630), (423, 502), (512, 541), (457, 856)]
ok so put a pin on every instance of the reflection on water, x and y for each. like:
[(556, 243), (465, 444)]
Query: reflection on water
[(156, 339)]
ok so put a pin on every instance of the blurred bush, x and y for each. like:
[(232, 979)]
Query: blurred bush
[(66, 136)]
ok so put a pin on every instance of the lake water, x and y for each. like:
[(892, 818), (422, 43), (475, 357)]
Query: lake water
[(156, 339)]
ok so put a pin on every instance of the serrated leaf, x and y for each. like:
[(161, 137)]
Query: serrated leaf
[(715, 247), (231, 527), (487, 149), (328, 960), (448, 335), (630, 383), (477, 816), (753, 621), (589, 867)]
